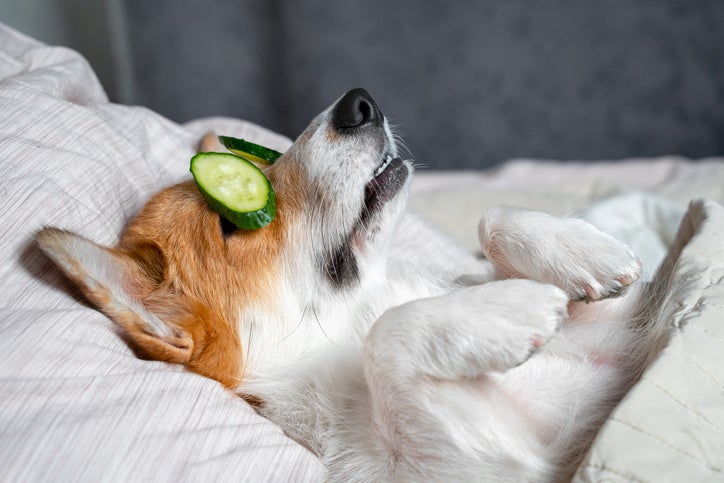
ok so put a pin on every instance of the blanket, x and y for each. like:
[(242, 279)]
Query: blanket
[(76, 404)]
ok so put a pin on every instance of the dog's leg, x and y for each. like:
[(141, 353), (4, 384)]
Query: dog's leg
[(417, 352), (567, 252), (489, 327)]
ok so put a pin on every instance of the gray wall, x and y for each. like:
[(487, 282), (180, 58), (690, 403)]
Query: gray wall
[(469, 83), (80, 24)]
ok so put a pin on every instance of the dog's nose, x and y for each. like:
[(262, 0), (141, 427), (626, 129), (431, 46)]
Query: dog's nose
[(354, 110)]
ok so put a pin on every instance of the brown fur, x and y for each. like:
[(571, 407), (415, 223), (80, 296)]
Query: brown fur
[(175, 261), (206, 277)]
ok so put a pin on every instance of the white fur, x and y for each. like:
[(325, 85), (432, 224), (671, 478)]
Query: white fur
[(404, 375), (408, 377)]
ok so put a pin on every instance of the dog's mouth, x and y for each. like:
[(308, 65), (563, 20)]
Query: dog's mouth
[(387, 181), (357, 120), (389, 178)]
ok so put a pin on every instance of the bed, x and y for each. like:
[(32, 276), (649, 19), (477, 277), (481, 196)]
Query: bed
[(76, 404)]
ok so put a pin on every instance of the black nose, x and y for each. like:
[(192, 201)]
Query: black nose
[(354, 110)]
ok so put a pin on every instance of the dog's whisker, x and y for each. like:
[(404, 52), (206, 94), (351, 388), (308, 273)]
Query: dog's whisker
[(419, 165), (247, 349), (299, 324), (319, 324)]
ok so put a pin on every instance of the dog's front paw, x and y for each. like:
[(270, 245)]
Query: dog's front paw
[(566, 252), (468, 332), (514, 319), (600, 266), (533, 313)]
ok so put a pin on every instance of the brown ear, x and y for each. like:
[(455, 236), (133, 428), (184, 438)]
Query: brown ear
[(117, 281), (129, 286)]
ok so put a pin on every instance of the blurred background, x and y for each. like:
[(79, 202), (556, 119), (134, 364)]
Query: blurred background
[(469, 84)]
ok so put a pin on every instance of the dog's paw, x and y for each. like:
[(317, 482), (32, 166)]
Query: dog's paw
[(598, 266), (538, 316), (468, 332), (518, 318), (566, 252)]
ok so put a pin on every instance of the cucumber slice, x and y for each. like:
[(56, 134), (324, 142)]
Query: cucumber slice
[(235, 188), (250, 151)]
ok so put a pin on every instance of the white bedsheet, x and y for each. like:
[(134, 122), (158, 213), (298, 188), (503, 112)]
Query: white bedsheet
[(77, 405)]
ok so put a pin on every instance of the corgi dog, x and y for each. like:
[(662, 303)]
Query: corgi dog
[(386, 372)]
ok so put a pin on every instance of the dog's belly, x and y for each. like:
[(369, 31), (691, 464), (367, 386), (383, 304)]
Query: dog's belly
[(552, 390)]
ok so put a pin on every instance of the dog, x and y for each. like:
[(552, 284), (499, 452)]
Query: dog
[(385, 374)]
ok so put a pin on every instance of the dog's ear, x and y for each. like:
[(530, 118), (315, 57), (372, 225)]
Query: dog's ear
[(121, 283)]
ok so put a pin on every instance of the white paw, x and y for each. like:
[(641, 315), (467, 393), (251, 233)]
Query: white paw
[(540, 315), (594, 265), (468, 332), (606, 273), (567, 252), (520, 317)]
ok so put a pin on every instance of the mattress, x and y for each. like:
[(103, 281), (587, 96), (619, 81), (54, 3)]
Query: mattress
[(76, 404)]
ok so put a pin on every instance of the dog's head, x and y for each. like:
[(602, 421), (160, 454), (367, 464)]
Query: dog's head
[(188, 288)]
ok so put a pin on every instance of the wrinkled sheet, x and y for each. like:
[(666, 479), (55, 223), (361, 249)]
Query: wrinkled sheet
[(76, 404)]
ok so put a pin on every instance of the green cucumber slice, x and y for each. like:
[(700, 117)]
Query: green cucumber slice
[(255, 153), (235, 188)]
